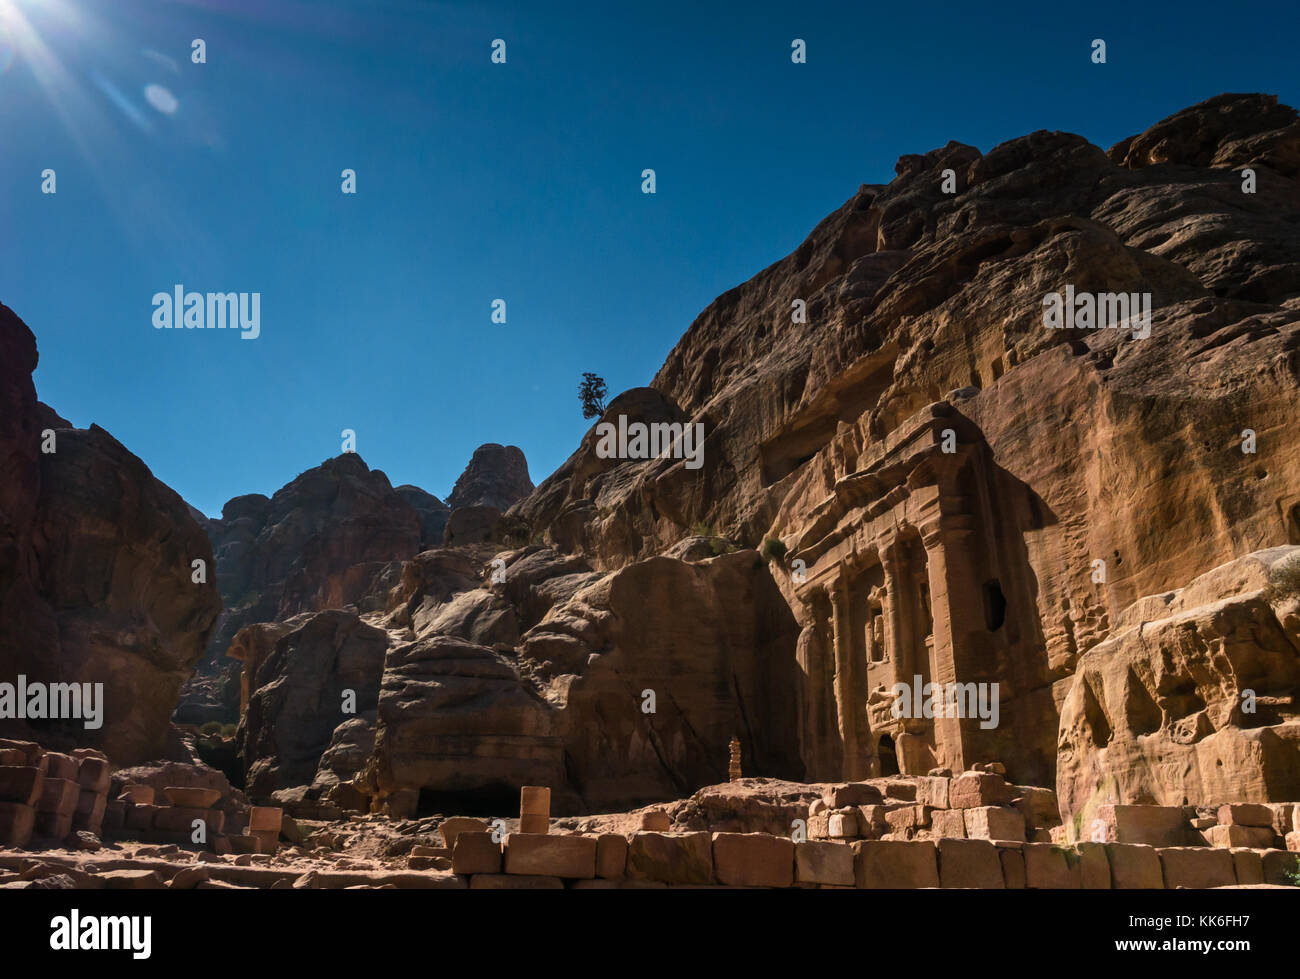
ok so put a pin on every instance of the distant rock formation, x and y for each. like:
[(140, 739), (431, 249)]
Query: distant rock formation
[(334, 537), (96, 571), (497, 476), (433, 514), (324, 540)]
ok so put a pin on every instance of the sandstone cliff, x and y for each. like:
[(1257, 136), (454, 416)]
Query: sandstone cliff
[(1161, 457), (96, 570)]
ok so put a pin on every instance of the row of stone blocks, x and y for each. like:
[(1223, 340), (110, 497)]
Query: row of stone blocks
[(136, 814), (761, 860), (48, 795), (977, 804)]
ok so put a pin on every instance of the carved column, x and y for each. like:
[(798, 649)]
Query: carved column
[(954, 600), (897, 633), (841, 625)]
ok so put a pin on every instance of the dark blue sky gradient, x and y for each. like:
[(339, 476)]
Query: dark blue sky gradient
[(479, 181)]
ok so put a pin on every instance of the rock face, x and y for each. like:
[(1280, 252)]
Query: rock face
[(1195, 696), (432, 511), (96, 568), (609, 688), (497, 476), (335, 536), (322, 541), (322, 672), (948, 489)]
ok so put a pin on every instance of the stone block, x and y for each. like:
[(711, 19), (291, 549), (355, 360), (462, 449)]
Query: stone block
[(611, 856), (902, 822), (948, 823), (1037, 805), (17, 821), (969, 863), (1196, 866), (59, 796), (23, 784), (90, 811), (881, 864), (31, 751), (534, 824), (114, 817), (994, 823), (1246, 814), (450, 828), (264, 840), (474, 852), (94, 774), (823, 863), (1292, 840), (847, 794), (842, 826), (901, 790), (61, 766), (535, 800), (753, 860), (1013, 866), (1049, 866), (550, 855), (1154, 825), (971, 790), (140, 795), (932, 792), (265, 819), (1240, 834), (871, 822), (140, 818), (1094, 866), (656, 821), (1134, 866), (53, 825), (1248, 865), (1282, 815), (674, 858)]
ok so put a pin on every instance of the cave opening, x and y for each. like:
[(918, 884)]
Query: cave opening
[(489, 800)]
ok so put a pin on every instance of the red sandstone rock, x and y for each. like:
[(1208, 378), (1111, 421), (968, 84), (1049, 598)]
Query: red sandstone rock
[(753, 860), (895, 864), (969, 863)]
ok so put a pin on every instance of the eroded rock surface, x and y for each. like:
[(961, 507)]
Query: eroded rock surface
[(96, 570)]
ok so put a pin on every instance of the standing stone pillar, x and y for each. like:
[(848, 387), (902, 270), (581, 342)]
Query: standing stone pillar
[(954, 600), (841, 626), (534, 809)]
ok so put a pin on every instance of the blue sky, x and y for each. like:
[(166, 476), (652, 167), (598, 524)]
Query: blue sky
[(478, 181)]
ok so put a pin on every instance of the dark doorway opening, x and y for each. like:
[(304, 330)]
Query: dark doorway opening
[(489, 800), (995, 605), (888, 756)]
